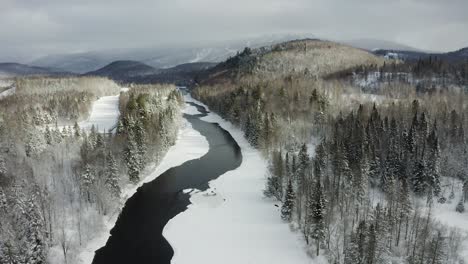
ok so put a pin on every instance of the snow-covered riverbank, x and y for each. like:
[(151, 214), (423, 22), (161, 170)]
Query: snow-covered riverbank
[(232, 222), (190, 145)]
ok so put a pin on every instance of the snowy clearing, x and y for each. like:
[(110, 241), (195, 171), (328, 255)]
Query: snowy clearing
[(104, 114), (232, 222), (190, 145), (7, 92)]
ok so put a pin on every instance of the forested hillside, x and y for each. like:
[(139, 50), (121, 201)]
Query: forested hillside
[(57, 181), (311, 58), (363, 177)]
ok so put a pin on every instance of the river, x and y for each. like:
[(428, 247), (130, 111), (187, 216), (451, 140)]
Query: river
[(137, 235)]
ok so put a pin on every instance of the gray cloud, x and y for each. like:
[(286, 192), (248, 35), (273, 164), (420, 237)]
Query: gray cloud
[(30, 28)]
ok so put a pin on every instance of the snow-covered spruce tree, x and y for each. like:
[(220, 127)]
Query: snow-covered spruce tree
[(35, 143), (36, 247), (133, 159), (419, 178), (3, 169), (140, 137), (460, 206), (437, 250), (274, 183), (302, 180), (99, 141), (433, 169), (48, 136), (112, 180), (317, 214), (405, 208), (87, 179), (465, 190), (355, 251), (76, 130), (288, 204), (375, 171)]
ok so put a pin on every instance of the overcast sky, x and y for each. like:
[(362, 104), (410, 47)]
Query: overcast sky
[(31, 28)]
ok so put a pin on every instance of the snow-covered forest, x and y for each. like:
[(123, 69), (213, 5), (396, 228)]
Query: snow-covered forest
[(58, 182), (363, 178)]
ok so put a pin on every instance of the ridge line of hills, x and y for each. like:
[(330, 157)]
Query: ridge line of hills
[(183, 74)]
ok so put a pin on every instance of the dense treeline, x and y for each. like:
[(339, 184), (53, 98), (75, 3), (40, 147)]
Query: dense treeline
[(57, 182), (365, 154), (265, 108), (360, 186), (40, 101), (427, 75)]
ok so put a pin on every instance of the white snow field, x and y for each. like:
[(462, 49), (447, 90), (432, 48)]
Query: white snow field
[(7, 92), (447, 215), (190, 144), (232, 222), (104, 114)]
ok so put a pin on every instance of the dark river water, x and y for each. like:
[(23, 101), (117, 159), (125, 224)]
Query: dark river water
[(137, 235)]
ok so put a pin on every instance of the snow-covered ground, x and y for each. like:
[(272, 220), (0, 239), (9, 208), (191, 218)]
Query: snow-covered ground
[(232, 222), (104, 114), (190, 145), (442, 213), (446, 213), (6, 83), (7, 92)]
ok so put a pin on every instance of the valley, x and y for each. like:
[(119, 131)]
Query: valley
[(304, 151)]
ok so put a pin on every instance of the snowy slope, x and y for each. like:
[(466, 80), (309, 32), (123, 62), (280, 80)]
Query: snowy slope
[(7, 92), (190, 145), (104, 114), (232, 222)]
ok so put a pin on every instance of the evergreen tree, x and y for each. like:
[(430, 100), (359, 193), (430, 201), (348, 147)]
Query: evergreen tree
[(140, 138), (3, 169), (120, 127), (460, 207), (48, 136), (304, 162), (112, 181), (76, 130), (375, 171), (465, 190), (34, 144), (274, 184), (433, 170), (36, 249), (87, 180), (133, 159), (419, 178), (317, 215), (437, 253), (288, 204), (99, 141), (371, 245)]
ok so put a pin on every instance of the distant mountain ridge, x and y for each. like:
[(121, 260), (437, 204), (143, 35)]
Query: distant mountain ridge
[(12, 69), (377, 44), (158, 57), (453, 56), (128, 71), (123, 70)]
